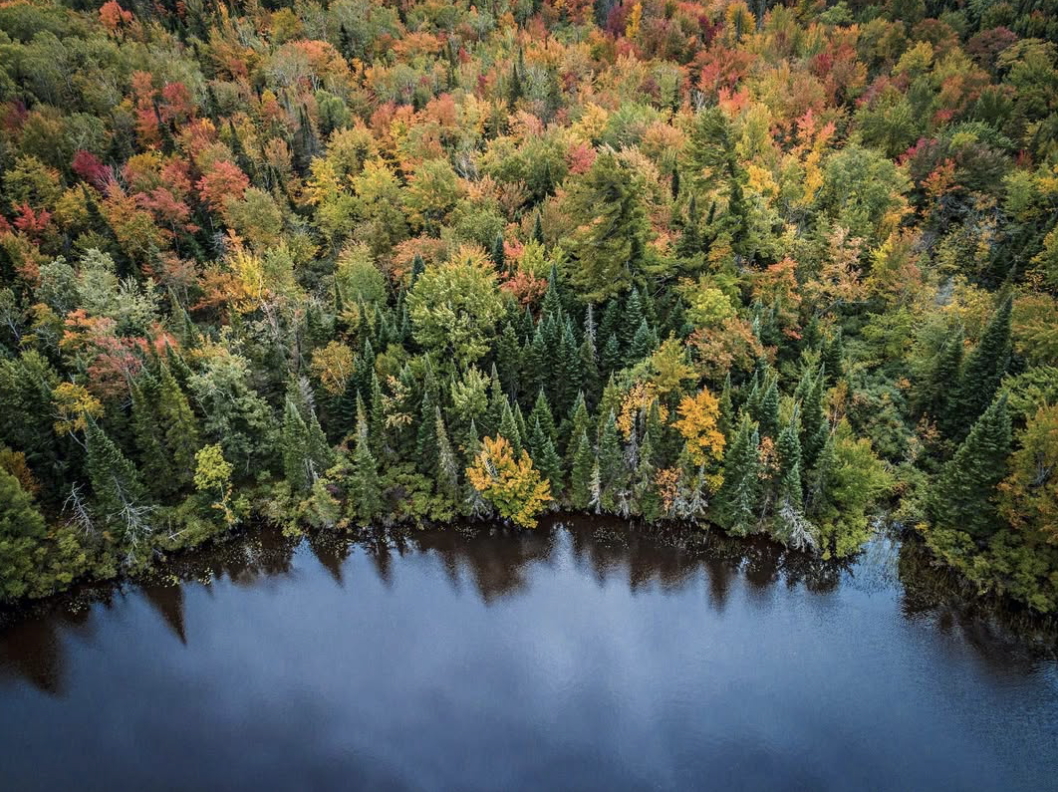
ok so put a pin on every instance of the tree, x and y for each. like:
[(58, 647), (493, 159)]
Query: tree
[(118, 492), (365, 493), (610, 239), (613, 472), (213, 479), (513, 487), (1029, 495), (454, 307), (964, 497), (22, 529), (982, 374), (739, 494), (698, 424), (447, 474)]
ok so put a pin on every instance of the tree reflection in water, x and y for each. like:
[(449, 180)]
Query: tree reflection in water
[(499, 563)]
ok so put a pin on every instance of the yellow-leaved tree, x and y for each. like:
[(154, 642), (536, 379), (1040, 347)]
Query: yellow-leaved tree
[(512, 486), (698, 426)]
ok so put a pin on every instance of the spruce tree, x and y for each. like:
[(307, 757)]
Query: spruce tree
[(611, 355), (365, 492), (509, 360), (538, 228), (833, 356), (508, 428), (149, 434), (767, 413), (644, 491), (579, 421), (789, 447), (117, 490), (963, 498), (580, 475), (182, 439), (542, 413), (814, 425), (297, 465), (588, 360), (447, 474), (377, 417), (613, 472), (426, 437), (22, 529), (934, 394), (983, 373), (499, 259), (643, 343), (725, 423), (567, 379), (546, 459), (738, 497)]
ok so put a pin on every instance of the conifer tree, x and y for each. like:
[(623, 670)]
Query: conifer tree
[(498, 400), (538, 228), (118, 492), (589, 359), (542, 413), (499, 258), (377, 417), (613, 472), (579, 421), (739, 494), (365, 492), (580, 475), (148, 432), (644, 490), (814, 425), (631, 320), (609, 403), (934, 394), (611, 355), (426, 438), (789, 447), (447, 474), (982, 374), (182, 439), (509, 360), (725, 423), (767, 413), (22, 528), (546, 459), (963, 498), (474, 505), (418, 267), (567, 375), (508, 428), (833, 357)]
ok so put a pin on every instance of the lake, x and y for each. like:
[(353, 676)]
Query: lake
[(584, 655)]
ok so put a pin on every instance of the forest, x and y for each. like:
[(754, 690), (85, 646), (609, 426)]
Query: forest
[(788, 269)]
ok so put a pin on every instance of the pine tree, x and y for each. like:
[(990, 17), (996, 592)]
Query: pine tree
[(588, 360), (983, 373), (418, 267), (538, 228), (580, 475), (690, 243), (631, 321), (643, 343), (963, 497), (551, 308), (297, 465), (644, 491), (739, 494), (609, 403), (814, 425)]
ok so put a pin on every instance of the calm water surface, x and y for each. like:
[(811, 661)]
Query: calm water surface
[(576, 657)]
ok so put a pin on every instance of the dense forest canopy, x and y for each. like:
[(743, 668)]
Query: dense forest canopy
[(775, 268)]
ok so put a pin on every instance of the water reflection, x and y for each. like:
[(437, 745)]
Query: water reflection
[(498, 564)]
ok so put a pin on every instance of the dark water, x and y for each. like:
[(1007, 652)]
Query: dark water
[(570, 658)]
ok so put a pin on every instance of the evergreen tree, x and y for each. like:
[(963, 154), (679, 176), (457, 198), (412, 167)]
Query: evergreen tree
[(365, 491), (789, 447), (834, 357), (182, 439), (814, 425), (643, 343), (447, 474), (963, 498), (567, 378), (508, 428), (580, 475), (499, 258), (579, 421), (148, 432), (418, 267), (546, 459), (644, 491), (22, 528), (726, 420), (983, 373), (611, 355), (935, 392), (119, 494), (377, 417), (588, 359), (613, 472), (509, 360), (739, 494), (631, 321), (542, 413), (538, 228), (767, 413), (426, 439)]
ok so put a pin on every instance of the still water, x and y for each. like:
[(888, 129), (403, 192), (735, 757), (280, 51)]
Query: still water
[(581, 656)]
